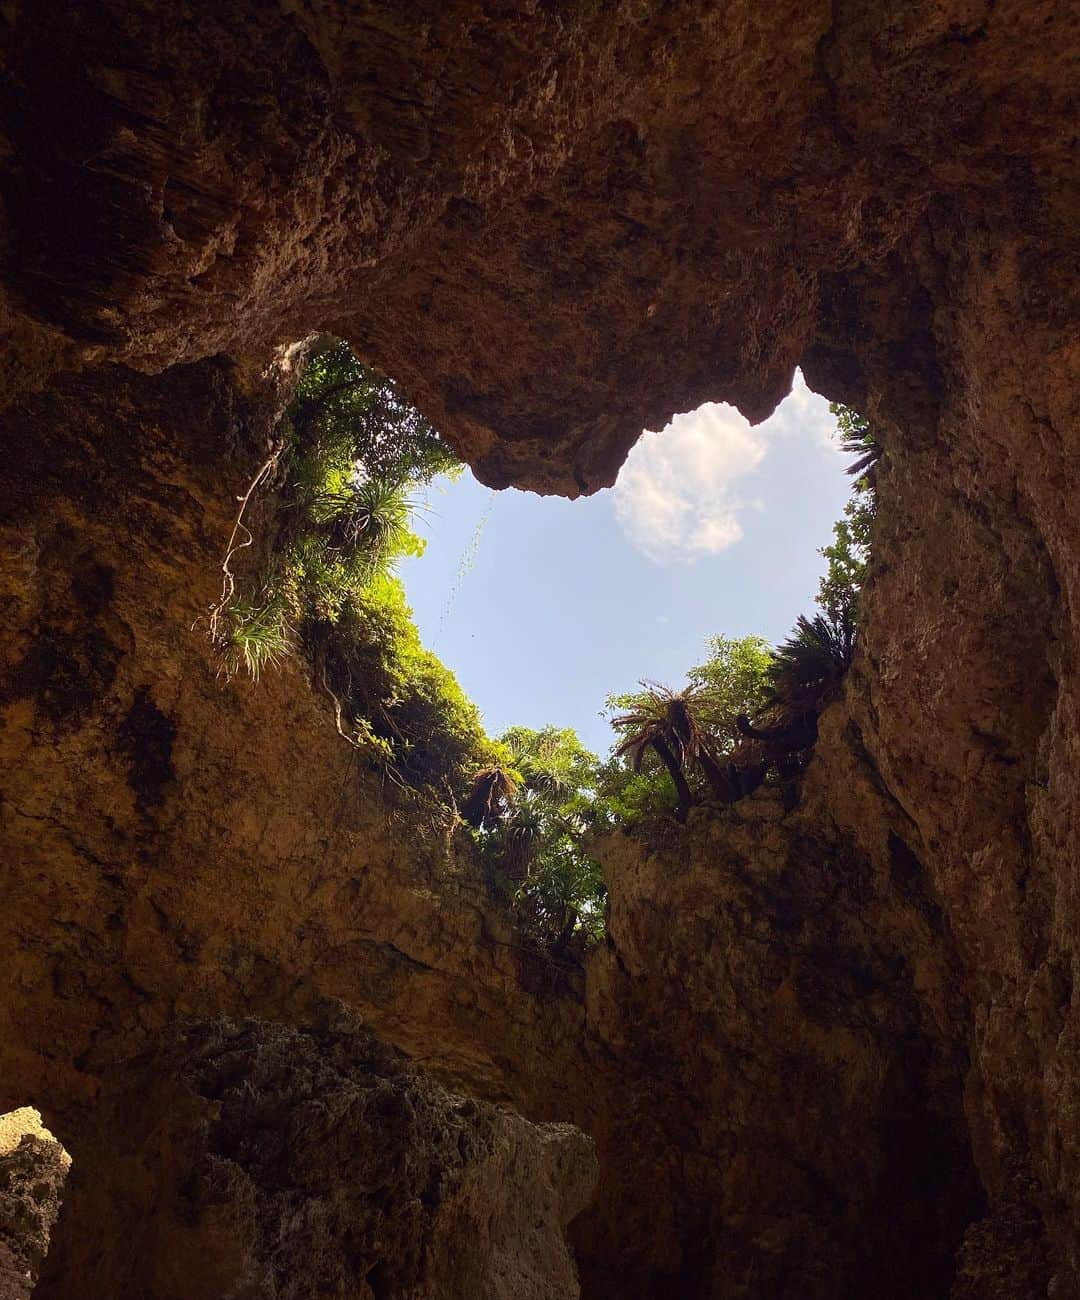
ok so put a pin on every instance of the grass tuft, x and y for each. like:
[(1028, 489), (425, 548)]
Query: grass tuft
[(258, 637)]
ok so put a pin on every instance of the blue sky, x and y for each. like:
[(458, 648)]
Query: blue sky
[(543, 606)]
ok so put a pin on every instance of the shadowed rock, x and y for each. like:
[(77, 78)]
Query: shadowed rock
[(33, 1169), (281, 1163)]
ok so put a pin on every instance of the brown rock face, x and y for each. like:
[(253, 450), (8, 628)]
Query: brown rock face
[(33, 1169), (272, 1162), (791, 1072), (553, 223), (832, 1054)]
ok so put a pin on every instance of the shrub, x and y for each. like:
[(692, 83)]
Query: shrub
[(534, 808), (808, 667), (377, 666), (353, 454), (344, 413), (848, 553), (257, 637)]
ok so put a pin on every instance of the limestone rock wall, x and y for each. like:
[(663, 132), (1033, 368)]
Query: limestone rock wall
[(791, 1030), (250, 1158), (33, 1170), (554, 223), (182, 844), (180, 847)]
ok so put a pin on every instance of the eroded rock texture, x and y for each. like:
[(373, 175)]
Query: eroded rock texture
[(33, 1169), (554, 223), (270, 1162), (828, 1054), (792, 1065), (177, 857)]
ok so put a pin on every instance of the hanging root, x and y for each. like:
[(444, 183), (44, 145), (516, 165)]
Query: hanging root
[(239, 538), (324, 683)]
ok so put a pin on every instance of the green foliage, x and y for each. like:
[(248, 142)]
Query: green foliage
[(625, 798), (658, 717), (846, 558), (355, 454), (365, 517), (636, 784), (668, 724), (563, 897), (859, 440), (534, 841), (377, 666), (345, 414), (848, 554), (554, 767), (257, 637), (733, 679), (811, 663)]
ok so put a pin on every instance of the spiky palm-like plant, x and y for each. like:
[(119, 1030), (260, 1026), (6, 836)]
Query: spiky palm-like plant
[(367, 518), (675, 720), (814, 659), (257, 637), (545, 767), (663, 720), (805, 672), (867, 452), (858, 440), (521, 832), (493, 795)]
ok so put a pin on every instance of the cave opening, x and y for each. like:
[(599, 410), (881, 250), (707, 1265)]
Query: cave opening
[(544, 607), (548, 670), (812, 1063)]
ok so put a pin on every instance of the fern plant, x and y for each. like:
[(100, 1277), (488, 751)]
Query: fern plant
[(811, 663)]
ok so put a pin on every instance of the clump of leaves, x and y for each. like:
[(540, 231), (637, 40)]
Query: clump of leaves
[(369, 518), (345, 413), (847, 555), (664, 721), (858, 439), (355, 457), (808, 667), (532, 812), (805, 675), (636, 785), (376, 665), (806, 670), (492, 797), (257, 637)]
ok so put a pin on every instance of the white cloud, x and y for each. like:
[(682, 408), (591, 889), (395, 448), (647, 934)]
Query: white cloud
[(678, 496)]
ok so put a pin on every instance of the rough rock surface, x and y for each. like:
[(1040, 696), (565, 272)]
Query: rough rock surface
[(790, 1039), (163, 840), (274, 1163), (33, 1169), (556, 224), (166, 837)]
